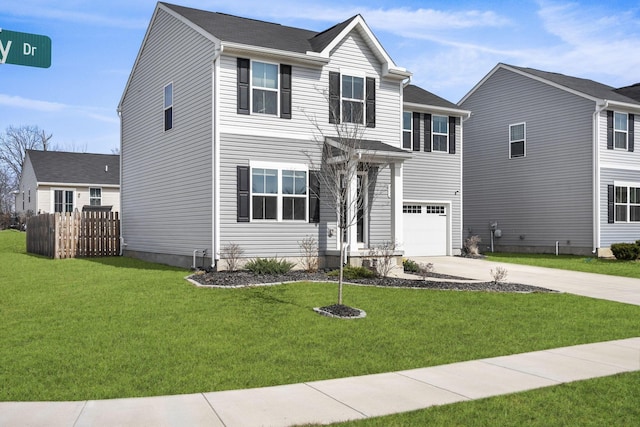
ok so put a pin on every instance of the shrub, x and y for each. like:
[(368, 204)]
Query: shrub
[(499, 274), (231, 253), (410, 266), (383, 257), (269, 266), (626, 251), (470, 246), (352, 273), (309, 251), (425, 270)]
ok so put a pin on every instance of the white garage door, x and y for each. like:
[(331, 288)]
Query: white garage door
[(425, 229)]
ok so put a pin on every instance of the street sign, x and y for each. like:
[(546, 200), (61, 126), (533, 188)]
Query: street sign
[(32, 50)]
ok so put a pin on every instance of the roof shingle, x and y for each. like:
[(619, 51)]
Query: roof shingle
[(76, 168)]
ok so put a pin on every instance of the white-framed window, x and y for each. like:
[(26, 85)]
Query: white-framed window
[(352, 94), (435, 209), (264, 83), (407, 129), (517, 140), (627, 203), (95, 196), (620, 130), (168, 107), (63, 200), (279, 191), (440, 133)]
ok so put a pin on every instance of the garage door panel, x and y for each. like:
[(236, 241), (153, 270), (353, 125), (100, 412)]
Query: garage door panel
[(425, 230)]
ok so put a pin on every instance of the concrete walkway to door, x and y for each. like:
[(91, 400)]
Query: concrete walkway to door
[(613, 288)]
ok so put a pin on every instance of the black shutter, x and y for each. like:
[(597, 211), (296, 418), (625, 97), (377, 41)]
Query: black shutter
[(416, 131), (610, 130), (243, 193), (631, 132), (285, 91), (611, 206), (334, 97), (371, 102), (452, 135), (427, 132), (314, 196), (243, 86)]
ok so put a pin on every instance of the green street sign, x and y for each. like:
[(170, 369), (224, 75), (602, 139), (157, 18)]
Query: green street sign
[(32, 50)]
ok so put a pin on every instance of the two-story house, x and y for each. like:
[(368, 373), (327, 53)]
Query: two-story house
[(550, 163), (58, 181), (224, 123)]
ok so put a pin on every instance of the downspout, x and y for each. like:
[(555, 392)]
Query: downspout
[(122, 243), (463, 119), (596, 174), (215, 122)]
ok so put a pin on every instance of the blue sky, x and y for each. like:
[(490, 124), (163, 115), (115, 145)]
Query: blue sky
[(449, 47)]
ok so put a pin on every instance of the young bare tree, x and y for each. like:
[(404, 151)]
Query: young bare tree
[(14, 143), (348, 172)]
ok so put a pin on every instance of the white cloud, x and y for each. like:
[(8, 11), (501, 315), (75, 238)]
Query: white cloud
[(30, 104)]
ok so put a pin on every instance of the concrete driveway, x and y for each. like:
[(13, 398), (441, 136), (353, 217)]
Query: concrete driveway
[(613, 288)]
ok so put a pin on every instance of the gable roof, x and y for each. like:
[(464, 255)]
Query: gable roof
[(586, 88), (75, 168), (237, 32), (632, 91), (247, 31), (415, 96)]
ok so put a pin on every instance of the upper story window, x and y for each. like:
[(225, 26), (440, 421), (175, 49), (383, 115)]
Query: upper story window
[(620, 129), (517, 140), (440, 129), (168, 106), (264, 82), (263, 88), (352, 99), (95, 196), (407, 128)]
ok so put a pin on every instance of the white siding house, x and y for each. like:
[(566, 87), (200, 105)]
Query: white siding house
[(56, 181), (225, 121), (550, 163)]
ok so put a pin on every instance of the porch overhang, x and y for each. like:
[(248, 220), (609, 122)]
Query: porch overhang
[(371, 151)]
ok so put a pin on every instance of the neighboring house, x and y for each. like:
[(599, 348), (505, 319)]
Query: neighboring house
[(551, 161), (224, 122), (56, 181)]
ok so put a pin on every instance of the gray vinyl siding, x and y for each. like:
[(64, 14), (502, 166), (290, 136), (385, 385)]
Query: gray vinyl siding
[(619, 158), (310, 97), (437, 176), (541, 198), (167, 176), (380, 209), (262, 238), (617, 232)]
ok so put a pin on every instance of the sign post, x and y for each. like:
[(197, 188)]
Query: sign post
[(32, 50)]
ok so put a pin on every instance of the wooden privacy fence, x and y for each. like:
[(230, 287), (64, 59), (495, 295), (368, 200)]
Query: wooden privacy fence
[(74, 234)]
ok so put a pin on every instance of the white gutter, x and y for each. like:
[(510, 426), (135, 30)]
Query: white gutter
[(216, 156), (596, 174)]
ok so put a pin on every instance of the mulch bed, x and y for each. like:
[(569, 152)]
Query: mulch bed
[(245, 278)]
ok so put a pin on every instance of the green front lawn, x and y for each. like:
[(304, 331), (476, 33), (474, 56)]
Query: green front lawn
[(571, 262), (116, 327)]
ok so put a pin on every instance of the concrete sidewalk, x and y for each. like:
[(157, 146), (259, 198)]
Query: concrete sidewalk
[(342, 399)]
